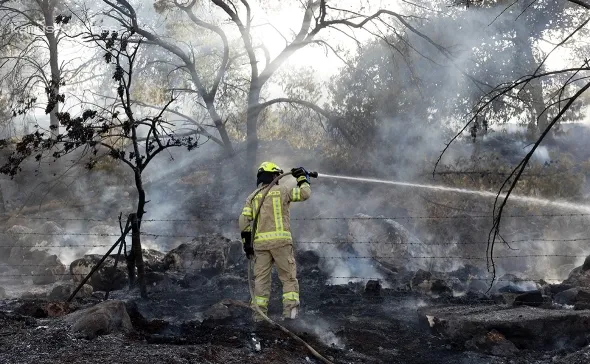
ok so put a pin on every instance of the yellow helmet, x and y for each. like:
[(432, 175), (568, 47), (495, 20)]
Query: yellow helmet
[(269, 167)]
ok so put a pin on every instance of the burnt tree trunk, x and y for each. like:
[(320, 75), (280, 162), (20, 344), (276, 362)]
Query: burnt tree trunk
[(136, 217), (136, 248)]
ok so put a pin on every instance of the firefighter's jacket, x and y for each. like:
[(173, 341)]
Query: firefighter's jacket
[(274, 225)]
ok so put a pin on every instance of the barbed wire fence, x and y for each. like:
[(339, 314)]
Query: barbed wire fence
[(336, 242), (446, 217)]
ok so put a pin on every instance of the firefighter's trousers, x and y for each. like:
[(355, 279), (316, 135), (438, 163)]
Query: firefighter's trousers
[(284, 260)]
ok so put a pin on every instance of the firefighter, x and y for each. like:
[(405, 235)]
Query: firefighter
[(272, 242)]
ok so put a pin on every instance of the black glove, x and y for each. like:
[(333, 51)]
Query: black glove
[(301, 174), (248, 247)]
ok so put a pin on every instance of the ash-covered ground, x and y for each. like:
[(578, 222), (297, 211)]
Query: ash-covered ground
[(192, 316)]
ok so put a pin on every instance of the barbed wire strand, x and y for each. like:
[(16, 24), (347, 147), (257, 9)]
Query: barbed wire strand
[(341, 242), (384, 257), (512, 280), (336, 242), (313, 218)]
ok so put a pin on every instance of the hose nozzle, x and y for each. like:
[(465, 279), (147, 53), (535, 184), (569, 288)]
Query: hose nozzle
[(313, 174)]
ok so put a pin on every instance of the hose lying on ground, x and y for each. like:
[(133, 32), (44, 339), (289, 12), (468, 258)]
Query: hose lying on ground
[(255, 307), (282, 328)]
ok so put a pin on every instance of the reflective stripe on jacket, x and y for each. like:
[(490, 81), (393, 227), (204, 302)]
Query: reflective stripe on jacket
[(274, 223)]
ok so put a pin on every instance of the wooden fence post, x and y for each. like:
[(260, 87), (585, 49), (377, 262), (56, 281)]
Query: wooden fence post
[(96, 267)]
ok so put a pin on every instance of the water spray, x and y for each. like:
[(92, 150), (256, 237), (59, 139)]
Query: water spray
[(527, 199)]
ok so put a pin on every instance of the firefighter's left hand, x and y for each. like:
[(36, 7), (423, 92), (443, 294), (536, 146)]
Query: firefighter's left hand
[(301, 174)]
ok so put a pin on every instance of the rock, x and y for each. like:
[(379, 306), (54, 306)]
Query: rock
[(373, 288), (18, 232), (423, 281), (440, 287), (493, 343), (217, 312), (527, 327), (35, 309), (34, 296), (106, 277), (511, 288), (192, 280), (564, 270), (50, 270), (18, 242), (504, 281), (509, 283), (586, 265), (105, 318), (3, 295), (207, 255), (36, 256), (554, 289), (567, 297), (578, 278), (16, 256), (27, 258), (582, 301), (471, 297), (50, 227), (579, 357), (153, 260), (532, 298), (499, 299), (420, 278), (63, 291)]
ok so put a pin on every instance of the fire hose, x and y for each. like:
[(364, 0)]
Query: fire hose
[(254, 306)]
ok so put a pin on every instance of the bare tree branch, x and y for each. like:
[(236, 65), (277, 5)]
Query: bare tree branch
[(287, 100), (214, 28), (581, 3)]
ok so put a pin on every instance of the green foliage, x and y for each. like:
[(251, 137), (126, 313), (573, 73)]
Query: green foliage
[(97, 132), (379, 85)]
